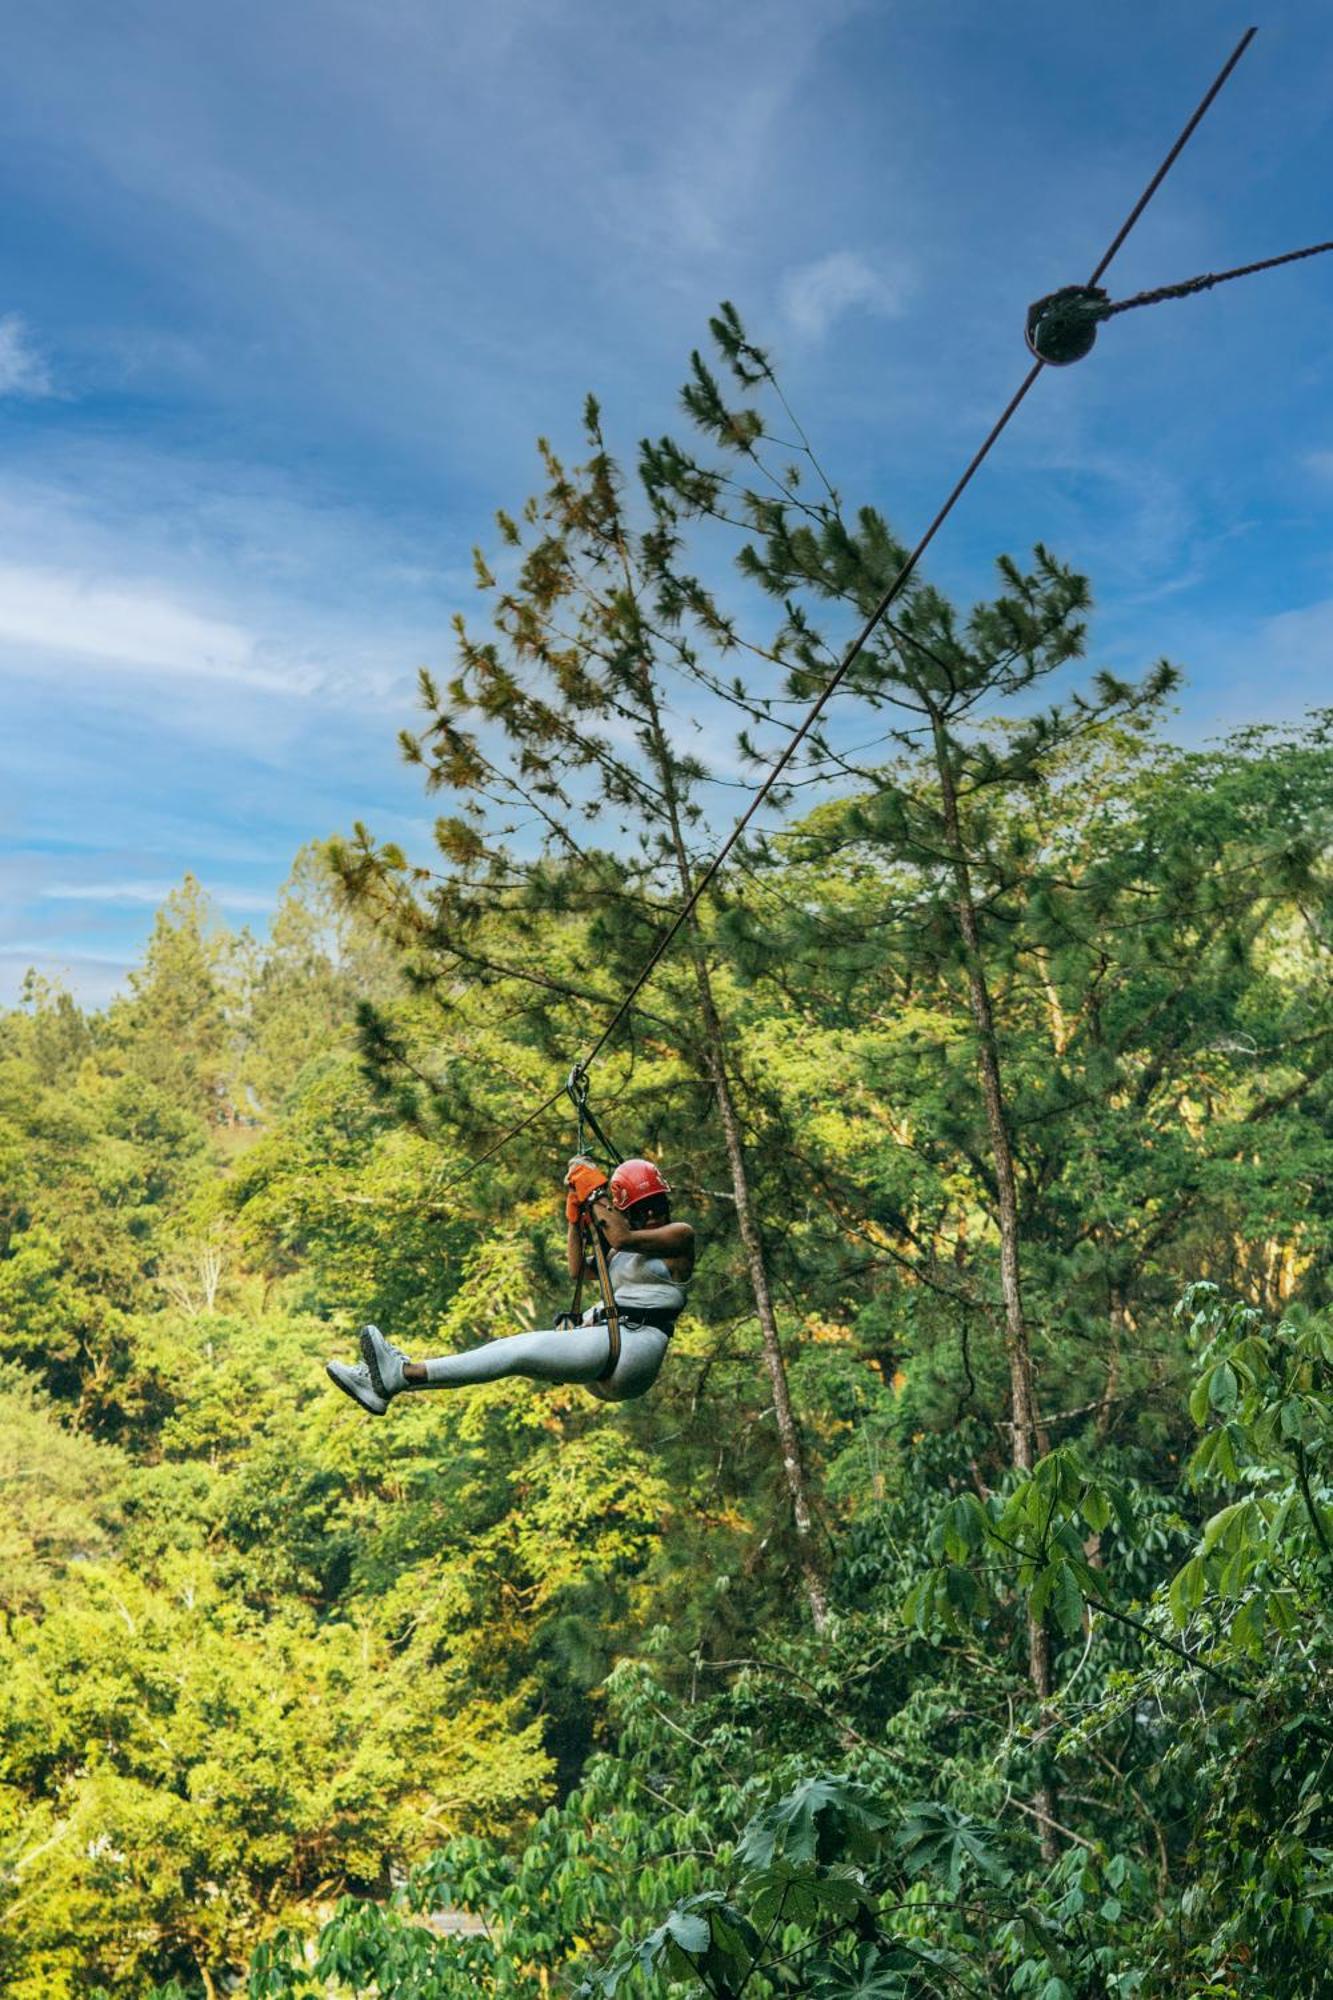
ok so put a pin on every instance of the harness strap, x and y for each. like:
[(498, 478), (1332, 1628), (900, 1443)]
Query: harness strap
[(608, 1302), (576, 1089), (665, 1322), (565, 1320)]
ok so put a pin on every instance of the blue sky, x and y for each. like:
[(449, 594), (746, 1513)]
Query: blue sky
[(287, 290)]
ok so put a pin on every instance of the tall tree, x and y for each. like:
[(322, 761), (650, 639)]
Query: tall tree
[(305, 982), (956, 698), (564, 716), (177, 1027)]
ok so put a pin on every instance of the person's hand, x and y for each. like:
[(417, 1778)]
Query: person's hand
[(613, 1224), (582, 1182)]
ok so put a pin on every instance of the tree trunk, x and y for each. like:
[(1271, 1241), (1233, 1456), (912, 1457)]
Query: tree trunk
[(714, 1053), (788, 1435), (1119, 1318), (1023, 1414), (1025, 1427)]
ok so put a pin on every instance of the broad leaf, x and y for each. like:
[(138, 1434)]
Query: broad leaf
[(823, 1820), (875, 1974), (941, 1839)]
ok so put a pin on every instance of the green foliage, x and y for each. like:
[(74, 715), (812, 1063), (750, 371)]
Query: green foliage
[(62, 1496), (1233, 1645), (516, 1693)]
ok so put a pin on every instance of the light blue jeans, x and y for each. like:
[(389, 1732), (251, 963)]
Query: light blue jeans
[(556, 1354)]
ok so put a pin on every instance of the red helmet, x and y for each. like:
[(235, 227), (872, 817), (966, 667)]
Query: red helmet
[(634, 1181)]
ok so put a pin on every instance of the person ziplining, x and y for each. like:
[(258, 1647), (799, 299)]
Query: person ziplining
[(618, 1229)]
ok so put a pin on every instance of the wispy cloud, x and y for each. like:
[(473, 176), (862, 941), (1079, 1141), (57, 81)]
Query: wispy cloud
[(94, 977), (126, 623), (814, 295), (23, 370), (151, 893)]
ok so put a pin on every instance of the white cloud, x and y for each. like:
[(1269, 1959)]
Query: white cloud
[(814, 295), (28, 954), (23, 372), (176, 587), (151, 893), (94, 978), (1320, 463), (129, 624)]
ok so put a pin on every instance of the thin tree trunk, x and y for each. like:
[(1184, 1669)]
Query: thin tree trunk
[(1018, 1350), (1024, 1422), (714, 1052), (1119, 1319), (788, 1435)]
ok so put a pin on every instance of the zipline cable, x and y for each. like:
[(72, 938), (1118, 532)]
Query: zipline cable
[(1200, 111), (500, 1144), (858, 644)]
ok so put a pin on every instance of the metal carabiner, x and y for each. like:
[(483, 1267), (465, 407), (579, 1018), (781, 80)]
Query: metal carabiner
[(576, 1089)]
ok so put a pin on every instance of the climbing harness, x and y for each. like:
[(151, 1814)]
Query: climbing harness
[(576, 1089), (1062, 327)]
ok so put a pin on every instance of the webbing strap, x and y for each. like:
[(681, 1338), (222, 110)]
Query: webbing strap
[(608, 1302), (576, 1088), (571, 1318)]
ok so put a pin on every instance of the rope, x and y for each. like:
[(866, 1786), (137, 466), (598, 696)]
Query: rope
[(1187, 133), (1189, 286), (859, 643)]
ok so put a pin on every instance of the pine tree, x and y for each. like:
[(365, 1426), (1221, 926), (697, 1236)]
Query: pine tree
[(955, 696), (177, 1028), (564, 718)]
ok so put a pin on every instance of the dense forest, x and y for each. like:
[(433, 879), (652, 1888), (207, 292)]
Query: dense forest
[(952, 1618)]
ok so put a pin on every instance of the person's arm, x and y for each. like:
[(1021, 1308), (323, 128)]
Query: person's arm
[(583, 1178), (671, 1240)]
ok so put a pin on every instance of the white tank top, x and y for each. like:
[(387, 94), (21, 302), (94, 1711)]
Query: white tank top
[(637, 1280)]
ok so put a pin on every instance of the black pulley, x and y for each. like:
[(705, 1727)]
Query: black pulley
[(1063, 326)]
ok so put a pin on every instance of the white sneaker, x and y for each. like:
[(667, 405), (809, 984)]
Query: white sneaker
[(385, 1363), (354, 1381)]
